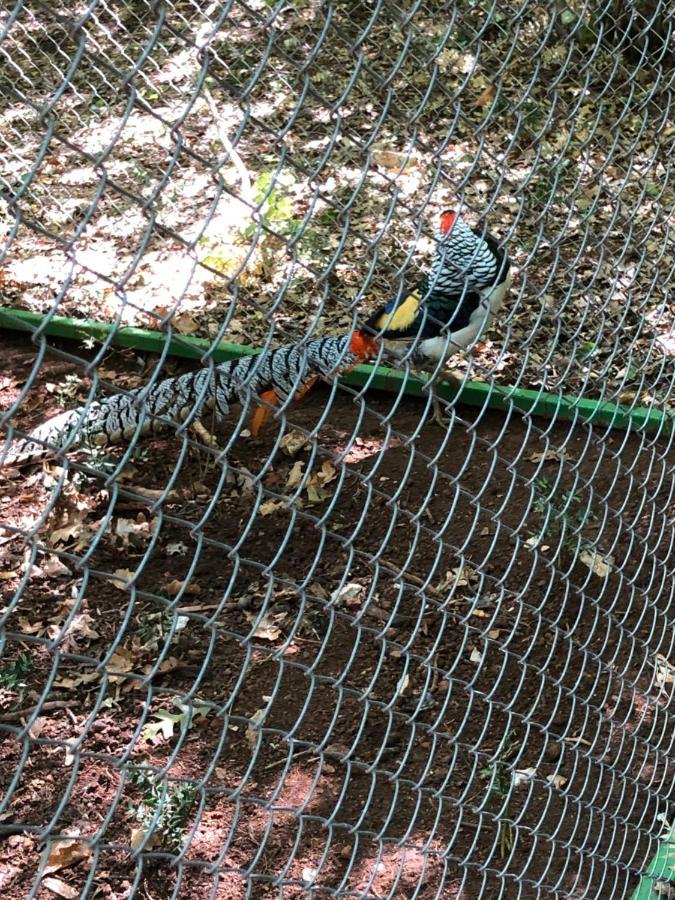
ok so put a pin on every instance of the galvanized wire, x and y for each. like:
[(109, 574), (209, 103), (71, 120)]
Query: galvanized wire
[(467, 692)]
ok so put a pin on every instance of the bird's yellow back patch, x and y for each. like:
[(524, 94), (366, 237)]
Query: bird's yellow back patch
[(402, 317)]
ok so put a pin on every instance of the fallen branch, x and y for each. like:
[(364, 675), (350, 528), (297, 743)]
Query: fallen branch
[(49, 706)]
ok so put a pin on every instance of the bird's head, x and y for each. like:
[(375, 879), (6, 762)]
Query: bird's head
[(363, 346), (452, 229), (448, 219)]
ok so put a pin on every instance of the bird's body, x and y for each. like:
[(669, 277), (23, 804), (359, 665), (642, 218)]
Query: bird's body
[(453, 305), (274, 376), (445, 314)]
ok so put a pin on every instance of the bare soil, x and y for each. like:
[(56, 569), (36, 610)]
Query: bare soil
[(475, 716)]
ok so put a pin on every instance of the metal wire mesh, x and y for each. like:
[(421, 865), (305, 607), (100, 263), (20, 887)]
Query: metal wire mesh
[(357, 656)]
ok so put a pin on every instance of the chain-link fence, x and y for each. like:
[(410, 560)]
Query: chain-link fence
[(353, 653)]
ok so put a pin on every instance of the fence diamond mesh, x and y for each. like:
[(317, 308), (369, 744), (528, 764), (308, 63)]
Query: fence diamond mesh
[(265, 641)]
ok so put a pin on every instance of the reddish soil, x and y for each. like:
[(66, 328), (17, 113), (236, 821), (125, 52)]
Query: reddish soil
[(393, 718)]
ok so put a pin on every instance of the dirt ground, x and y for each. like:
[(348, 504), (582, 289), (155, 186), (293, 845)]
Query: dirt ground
[(389, 680)]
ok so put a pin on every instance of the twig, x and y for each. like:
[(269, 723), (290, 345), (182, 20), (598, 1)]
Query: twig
[(50, 705), (413, 579), (242, 171), (281, 762), (204, 435)]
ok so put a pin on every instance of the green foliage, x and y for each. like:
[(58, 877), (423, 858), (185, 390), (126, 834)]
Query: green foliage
[(13, 673), (564, 514), (276, 211), (68, 390), (172, 807), (586, 349), (500, 776), (152, 627), (166, 721)]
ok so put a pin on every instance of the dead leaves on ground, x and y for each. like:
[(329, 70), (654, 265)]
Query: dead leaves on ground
[(165, 722), (62, 855), (303, 487)]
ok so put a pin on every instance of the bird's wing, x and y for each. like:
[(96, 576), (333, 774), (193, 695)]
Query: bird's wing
[(452, 312), (423, 315), (398, 318)]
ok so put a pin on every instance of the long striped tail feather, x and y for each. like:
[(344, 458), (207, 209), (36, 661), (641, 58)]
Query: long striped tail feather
[(287, 371)]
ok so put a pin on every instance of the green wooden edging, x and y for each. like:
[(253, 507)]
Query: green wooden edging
[(472, 393), (660, 869)]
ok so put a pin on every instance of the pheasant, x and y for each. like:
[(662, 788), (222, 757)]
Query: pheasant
[(285, 371), (451, 307)]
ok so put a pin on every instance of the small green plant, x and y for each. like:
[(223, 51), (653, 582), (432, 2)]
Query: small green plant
[(276, 211), (585, 350), (152, 627), (12, 674), (564, 514), (217, 255), (170, 804), (500, 777)]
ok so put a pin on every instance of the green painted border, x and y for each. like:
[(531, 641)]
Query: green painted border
[(472, 393), (661, 868)]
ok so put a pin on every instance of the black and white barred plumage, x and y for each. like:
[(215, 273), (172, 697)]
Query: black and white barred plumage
[(465, 259), (454, 304), (286, 370)]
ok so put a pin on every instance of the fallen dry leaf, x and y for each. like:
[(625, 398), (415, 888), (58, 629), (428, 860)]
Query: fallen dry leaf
[(53, 566), (137, 533), (175, 587), (78, 633), (120, 576), (252, 730), (522, 776), (546, 455), (600, 565), (317, 481), (178, 548), (293, 442), (270, 506), (266, 630), (295, 475), (60, 888), (394, 159), (138, 836), (184, 323), (665, 670), (121, 661), (402, 685), (460, 576), (66, 853), (35, 729), (556, 780), (66, 533), (349, 594), (76, 680), (487, 96)]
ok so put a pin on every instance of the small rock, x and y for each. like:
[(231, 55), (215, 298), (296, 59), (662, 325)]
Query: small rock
[(553, 751)]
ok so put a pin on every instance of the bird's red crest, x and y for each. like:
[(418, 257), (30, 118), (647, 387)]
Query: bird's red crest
[(363, 346), (448, 218)]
